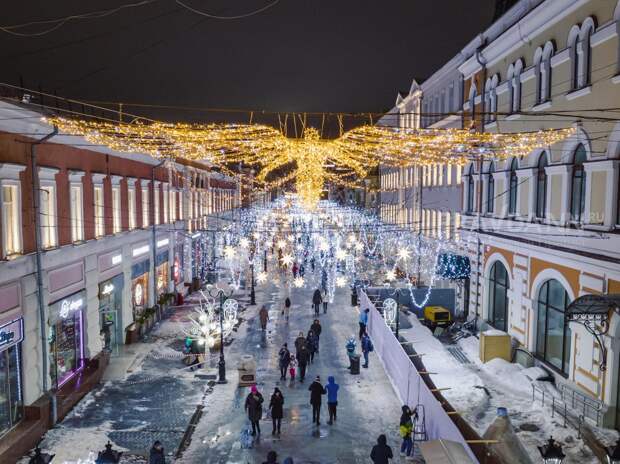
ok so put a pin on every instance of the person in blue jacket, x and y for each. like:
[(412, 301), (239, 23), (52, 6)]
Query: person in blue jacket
[(332, 398), (366, 348), (363, 321)]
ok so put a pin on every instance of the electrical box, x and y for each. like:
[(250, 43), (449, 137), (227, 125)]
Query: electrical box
[(437, 315), (495, 344)]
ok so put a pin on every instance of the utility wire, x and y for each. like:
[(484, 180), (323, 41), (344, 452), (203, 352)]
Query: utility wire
[(214, 16)]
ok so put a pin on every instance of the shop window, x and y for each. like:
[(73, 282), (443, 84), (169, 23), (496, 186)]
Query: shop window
[(553, 337), (578, 185), (66, 338), (11, 220), (490, 188), (48, 216), (498, 296), (77, 213), (513, 188), (541, 186), (116, 209), (131, 207), (99, 211), (11, 402)]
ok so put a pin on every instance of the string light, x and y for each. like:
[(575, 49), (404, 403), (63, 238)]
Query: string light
[(310, 161)]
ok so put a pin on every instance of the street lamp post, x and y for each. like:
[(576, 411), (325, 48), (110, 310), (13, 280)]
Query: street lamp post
[(221, 294), (252, 290)]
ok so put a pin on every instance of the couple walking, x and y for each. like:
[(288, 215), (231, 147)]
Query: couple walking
[(316, 398), (254, 408)]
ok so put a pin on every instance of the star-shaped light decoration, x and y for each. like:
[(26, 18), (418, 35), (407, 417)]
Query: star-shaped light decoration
[(281, 244), (341, 254), (256, 235), (261, 277), (287, 260), (229, 252), (404, 254), (324, 246), (244, 242), (390, 275), (359, 246), (300, 247), (298, 282), (341, 281)]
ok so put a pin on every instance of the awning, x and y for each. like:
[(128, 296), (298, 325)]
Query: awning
[(592, 307), (444, 452)]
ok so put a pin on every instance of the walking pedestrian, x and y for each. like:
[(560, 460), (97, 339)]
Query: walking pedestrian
[(325, 299), (317, 329), (406, 429), (284, 360), (299, 342), (295, 270), (381, 453), (351, 344), (276, 405), (254, 408), (367, 347), (316, 394), (363, 321), (272, 458), (263, 314), (332, 398), (312, 342), (302, 270), (316, 301), (156, 455), (291, 367), (303, 357), (287, 308)]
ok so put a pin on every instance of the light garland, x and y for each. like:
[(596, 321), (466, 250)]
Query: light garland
[(310, 160)]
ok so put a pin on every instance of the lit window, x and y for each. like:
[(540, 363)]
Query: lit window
[(513, 188), (11, 221), (578, 190), (77, 213), (166, 210), (145, 206), (156, 200), (490, 188), (116, 209), (180, 196), (48, 216), (449, 174), (131, 207), (99, 211), (173, 205), (459, 171), (541, 186)]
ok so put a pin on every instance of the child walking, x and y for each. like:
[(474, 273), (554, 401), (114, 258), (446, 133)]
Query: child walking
[(292, 366)]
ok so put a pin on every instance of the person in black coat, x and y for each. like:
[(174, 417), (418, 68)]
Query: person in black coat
[(276, 405), (284, 360), (156, 455), (381, 453), (317, 329), (272, 458), (300, 342), (312, 342), (316, 396), (317, 299), (254, 408), (303, 357)]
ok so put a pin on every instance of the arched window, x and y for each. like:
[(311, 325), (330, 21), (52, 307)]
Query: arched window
[(513, 189), (498, 296), (542, 63), (573, 40), (490, 188), (552, 332), (470, 190), (541, 186), (514, 86), (578, 185)]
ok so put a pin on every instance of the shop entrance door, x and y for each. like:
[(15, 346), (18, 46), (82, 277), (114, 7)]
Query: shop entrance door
[(110, 330)]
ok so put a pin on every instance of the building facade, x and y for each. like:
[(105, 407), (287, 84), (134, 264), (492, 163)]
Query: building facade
[(541, 230), (90, 240)]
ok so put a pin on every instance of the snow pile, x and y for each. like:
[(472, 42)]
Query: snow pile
[(508, 374)]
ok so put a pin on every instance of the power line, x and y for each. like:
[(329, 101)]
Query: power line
[(241, 16)]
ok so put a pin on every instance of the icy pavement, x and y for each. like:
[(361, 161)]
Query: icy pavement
[(476, 390), (367, 405)]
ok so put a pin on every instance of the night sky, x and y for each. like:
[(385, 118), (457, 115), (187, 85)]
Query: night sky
[(299, 56)]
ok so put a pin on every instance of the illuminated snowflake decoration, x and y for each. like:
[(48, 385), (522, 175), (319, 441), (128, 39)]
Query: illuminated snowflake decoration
[(390, 275), (244, 243), (229, 252), (404, 254), (287, 260), (261, 277), (281, 244), (341, 254), (298, 282), (341, 281)]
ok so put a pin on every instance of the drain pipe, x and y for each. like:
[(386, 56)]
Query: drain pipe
[(36, 200)]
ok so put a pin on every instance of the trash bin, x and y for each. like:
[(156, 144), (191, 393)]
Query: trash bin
[(355, 364), (247, 370), (354, 296)]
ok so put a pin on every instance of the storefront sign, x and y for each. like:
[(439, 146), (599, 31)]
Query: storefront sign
[(140, 250), (163, 242), (68, 305), (107, 289), (117, 259), (11, 333)]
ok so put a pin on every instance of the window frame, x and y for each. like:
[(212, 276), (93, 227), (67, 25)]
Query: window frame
[(490, 200), (492, 292), (99, 210), (513, 188), (578, 171), (116, 209), (18, 228), (77, 212), (541, 179), (567, 335)]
